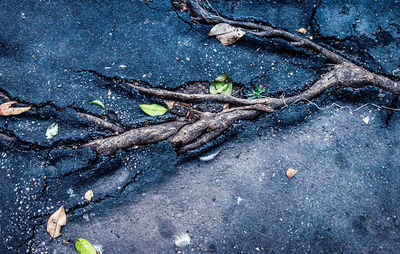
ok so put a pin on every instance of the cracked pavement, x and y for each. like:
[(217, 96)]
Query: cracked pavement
[(59, 56)]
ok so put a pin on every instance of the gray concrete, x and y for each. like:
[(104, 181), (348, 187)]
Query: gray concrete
[(344, 198)]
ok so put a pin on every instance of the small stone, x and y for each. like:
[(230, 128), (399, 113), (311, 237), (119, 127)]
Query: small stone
[(366, 120), (89, 195)]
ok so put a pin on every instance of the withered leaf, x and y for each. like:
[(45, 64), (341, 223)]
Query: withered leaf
[(170, 104), (89, 195), (184, 7), (56, 221), (226, 33), (290, 172), (301, 30), (6, 110)]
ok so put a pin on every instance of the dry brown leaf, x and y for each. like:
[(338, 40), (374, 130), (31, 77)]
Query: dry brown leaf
[(56, 221), (225, 107), (226, 33), (89, 195), (6, 110), (290, 172), (184, 7), (170, 104), (301, 30)]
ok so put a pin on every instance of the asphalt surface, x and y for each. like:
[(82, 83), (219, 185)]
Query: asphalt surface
[(343, 199)]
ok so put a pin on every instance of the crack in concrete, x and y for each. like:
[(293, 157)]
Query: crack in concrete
[(70, 211), (313, 19)]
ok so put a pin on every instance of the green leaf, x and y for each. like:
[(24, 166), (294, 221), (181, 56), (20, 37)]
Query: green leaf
[(83, 246), (52, 130), (153, 109), (98, 103), (221, 85)]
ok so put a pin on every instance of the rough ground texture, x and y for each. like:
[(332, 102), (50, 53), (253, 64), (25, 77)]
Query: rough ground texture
[(344, 198)]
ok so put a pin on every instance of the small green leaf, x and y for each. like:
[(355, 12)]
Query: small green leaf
[(83, 246), (52, 130), (221, 85), (153, 109), (98, 103)]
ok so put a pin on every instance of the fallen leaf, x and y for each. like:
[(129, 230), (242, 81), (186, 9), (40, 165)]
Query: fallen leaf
[(226, 33), (366, 120), (56, 221), (98, 103), (221, 85), (170, 104), (153, 109), (89, 195), (291, 172), (301, 30), (52, 130), (184, 7), (83, 246), (6, 110)]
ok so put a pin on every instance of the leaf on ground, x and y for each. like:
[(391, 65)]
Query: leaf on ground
[(52, 130), (56, 221), (83, 246), (291, 172), (184, 7), (6, 110), (98, 103), (221, 85), (153, 109), (226, 33), (170, 104), (89, 195), (301, 30)]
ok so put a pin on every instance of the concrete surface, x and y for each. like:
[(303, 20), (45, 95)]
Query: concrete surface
[(344, 198)]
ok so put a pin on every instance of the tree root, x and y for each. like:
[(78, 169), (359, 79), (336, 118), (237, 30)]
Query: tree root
[(187, 134), (140, 136), (101, 123)]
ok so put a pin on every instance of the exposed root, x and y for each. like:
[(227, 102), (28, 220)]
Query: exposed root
[(101, 123), (215, 127), (140, 136), (8, 138), (186, 135)]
